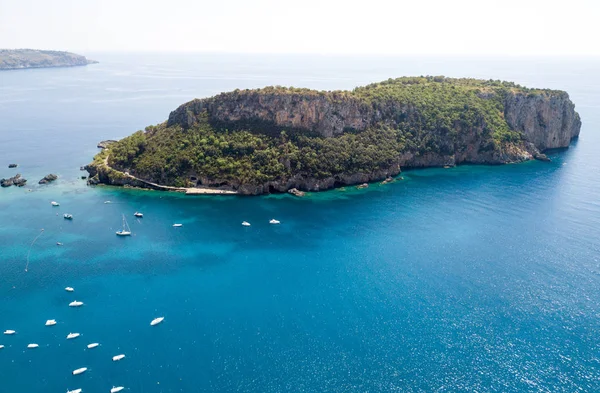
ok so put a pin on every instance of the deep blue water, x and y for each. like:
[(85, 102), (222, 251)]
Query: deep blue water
[(482, 279)]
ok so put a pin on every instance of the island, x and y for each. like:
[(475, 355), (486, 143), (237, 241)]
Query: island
[(276, 139), (14, 59)]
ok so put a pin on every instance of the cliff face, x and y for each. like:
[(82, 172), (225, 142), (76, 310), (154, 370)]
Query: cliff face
[(12, 59), (546, 121), (275, 139)]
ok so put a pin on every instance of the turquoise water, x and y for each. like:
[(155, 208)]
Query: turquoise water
[(467, 279)]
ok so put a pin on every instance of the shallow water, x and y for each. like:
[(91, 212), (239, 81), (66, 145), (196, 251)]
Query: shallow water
[(462, 279)]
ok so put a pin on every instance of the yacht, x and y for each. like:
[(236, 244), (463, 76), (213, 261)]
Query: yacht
[(68, 216), (80, 370), (118, 357), (138, 214), (1, 346), (156, 321), (32, 346), (69, 289), (75, 304), (126, 231), (51, 322), (9, 332), (246, 223), (54, 203), (116, 389), (274, 221), (72, 335), (92, 345), (74, 391), (177, 225), (59, 244)]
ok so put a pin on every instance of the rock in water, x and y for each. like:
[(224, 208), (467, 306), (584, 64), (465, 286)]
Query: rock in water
[(48, 178), (16, 180), (296, 192), (361, 186), (12, 165), (541, 157)]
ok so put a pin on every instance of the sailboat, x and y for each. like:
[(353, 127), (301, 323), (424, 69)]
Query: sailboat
[(125, 231)]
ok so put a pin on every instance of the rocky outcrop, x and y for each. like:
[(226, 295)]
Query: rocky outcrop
[(14, 59), (296, 192), (48, 179), (105, 144), (16, 180)]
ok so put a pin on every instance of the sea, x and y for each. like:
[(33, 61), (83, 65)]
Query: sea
[(468, 279)]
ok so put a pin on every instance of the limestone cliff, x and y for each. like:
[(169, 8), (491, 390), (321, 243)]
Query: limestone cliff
[(275, 139)]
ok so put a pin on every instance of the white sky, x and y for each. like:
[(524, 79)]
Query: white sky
[(513, 27)]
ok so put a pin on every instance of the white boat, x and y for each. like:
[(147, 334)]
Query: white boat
[(59, 244), (1, 346), (75, 303), (54, 203), (51, 322), (75, 391), (274, 221), (246, 223), (118, 357), (126, 231), (116, 389), (9, 332), (177, 225), (69, 289), (156, 321), (92, 345), (32, 346), (138, 214), (72, 335), (107, 202), (68, 216), (79, 371)]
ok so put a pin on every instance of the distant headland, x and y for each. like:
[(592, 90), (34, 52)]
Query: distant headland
[(15, 59), (279, 139)]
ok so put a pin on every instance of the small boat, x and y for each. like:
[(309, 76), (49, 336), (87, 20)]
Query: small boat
[(116, 389), (59, 244), (72, 335), (69, 289), (274, 221), (1, 346), (156, 321), (126, 231), (54, 203), (246, 223), (92, 345), (118, 357), (9, 332), (75, 391), (51, 322), (79, 371), (177, 225), (75, 303), (137, 214), (32, 346), (106, 202), (68, 216)]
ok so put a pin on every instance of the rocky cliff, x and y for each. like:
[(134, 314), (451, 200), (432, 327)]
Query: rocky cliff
[(275, 139), (12, 59)]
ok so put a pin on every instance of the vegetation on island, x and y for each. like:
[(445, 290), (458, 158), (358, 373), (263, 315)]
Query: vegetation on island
[(419, 115), (12, 59)]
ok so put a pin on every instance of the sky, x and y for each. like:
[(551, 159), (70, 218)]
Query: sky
[(458, 27)]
